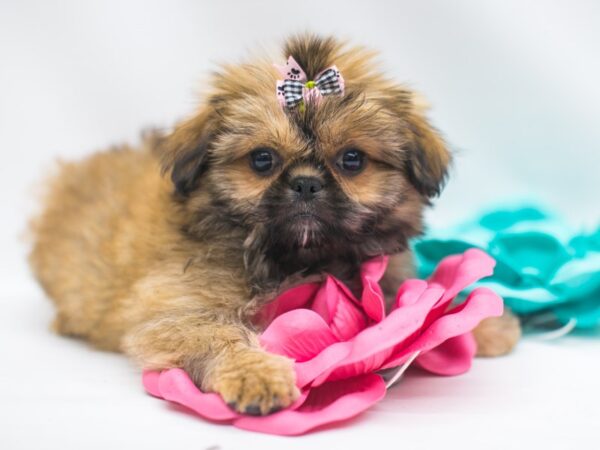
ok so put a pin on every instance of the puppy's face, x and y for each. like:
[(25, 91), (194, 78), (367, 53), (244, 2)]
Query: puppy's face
[(343, 179)]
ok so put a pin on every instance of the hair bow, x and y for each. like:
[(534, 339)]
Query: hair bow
[(295, 89)]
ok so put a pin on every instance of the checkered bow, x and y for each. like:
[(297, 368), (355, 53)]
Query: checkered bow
[(295, 88)]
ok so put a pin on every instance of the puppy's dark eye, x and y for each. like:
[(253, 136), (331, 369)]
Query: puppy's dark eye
[(262, 160), (352, 160)]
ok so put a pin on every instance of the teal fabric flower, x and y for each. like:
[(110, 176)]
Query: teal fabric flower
[(544, 266)]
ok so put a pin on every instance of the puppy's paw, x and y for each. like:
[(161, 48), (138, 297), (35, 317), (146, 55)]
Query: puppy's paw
[(497, 336), (255, 382)]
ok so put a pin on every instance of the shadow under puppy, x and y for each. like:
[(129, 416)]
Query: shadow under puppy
[(167, 251)]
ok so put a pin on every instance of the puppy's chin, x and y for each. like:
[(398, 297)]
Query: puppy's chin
[(299, 226), (304, 230)]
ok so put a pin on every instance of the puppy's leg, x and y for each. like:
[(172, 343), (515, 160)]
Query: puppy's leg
[(497, 336), (220, 354), (400, 267)]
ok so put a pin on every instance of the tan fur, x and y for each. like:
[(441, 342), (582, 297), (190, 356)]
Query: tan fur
[(132, 266), (497, 336), (109, 253)]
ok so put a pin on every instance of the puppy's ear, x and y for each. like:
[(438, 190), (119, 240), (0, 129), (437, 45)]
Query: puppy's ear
[(429, 158), (185, 151)]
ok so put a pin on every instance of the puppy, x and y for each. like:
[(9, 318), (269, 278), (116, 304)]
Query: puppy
[(167, 251)]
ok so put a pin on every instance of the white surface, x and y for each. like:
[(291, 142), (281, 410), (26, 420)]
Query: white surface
[(57, 393), (514, 87)]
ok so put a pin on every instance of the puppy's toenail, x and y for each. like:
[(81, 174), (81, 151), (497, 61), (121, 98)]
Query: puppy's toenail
[(253, 410), (275, 409)]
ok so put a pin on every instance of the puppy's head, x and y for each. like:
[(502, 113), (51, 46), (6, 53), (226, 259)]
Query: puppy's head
[(344, 179)]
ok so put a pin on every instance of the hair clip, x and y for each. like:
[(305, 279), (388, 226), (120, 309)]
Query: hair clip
[(296, 89)]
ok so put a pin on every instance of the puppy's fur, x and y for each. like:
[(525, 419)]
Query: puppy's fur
[(167, 251)]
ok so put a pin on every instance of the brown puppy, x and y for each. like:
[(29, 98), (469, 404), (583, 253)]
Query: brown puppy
[(167, 251)]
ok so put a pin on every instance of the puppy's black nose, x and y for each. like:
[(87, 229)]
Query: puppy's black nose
[(306, 187)]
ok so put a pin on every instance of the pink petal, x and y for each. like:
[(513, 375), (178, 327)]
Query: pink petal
[(372, 296), (347, 321), (374, 268), (374, 345), (299, 334), (175, 385), (372, 300), (346, 291), (452, 357), (481, 303), (323, 363), (338, 311), (456, 272), (409, 292), (294, 298), (329, 403), (150, 382)]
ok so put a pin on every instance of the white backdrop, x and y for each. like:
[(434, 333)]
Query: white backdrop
[(514, 87)]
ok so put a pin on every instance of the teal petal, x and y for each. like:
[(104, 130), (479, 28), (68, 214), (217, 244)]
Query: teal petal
[(578, 277), (543, 265), (585, 243), (525, 300), (504, 219), (429, 253), (530, 253), (585, 312)]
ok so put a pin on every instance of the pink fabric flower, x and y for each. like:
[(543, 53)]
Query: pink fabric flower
[(339, 343)]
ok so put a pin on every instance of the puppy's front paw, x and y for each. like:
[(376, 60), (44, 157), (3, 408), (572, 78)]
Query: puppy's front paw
[(255, 382), (497, 336)]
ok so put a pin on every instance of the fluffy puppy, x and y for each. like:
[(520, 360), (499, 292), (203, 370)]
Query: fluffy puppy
[(166, 252)]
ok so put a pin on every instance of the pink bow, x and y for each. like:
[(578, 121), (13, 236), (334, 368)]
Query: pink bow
[(295, 88)]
